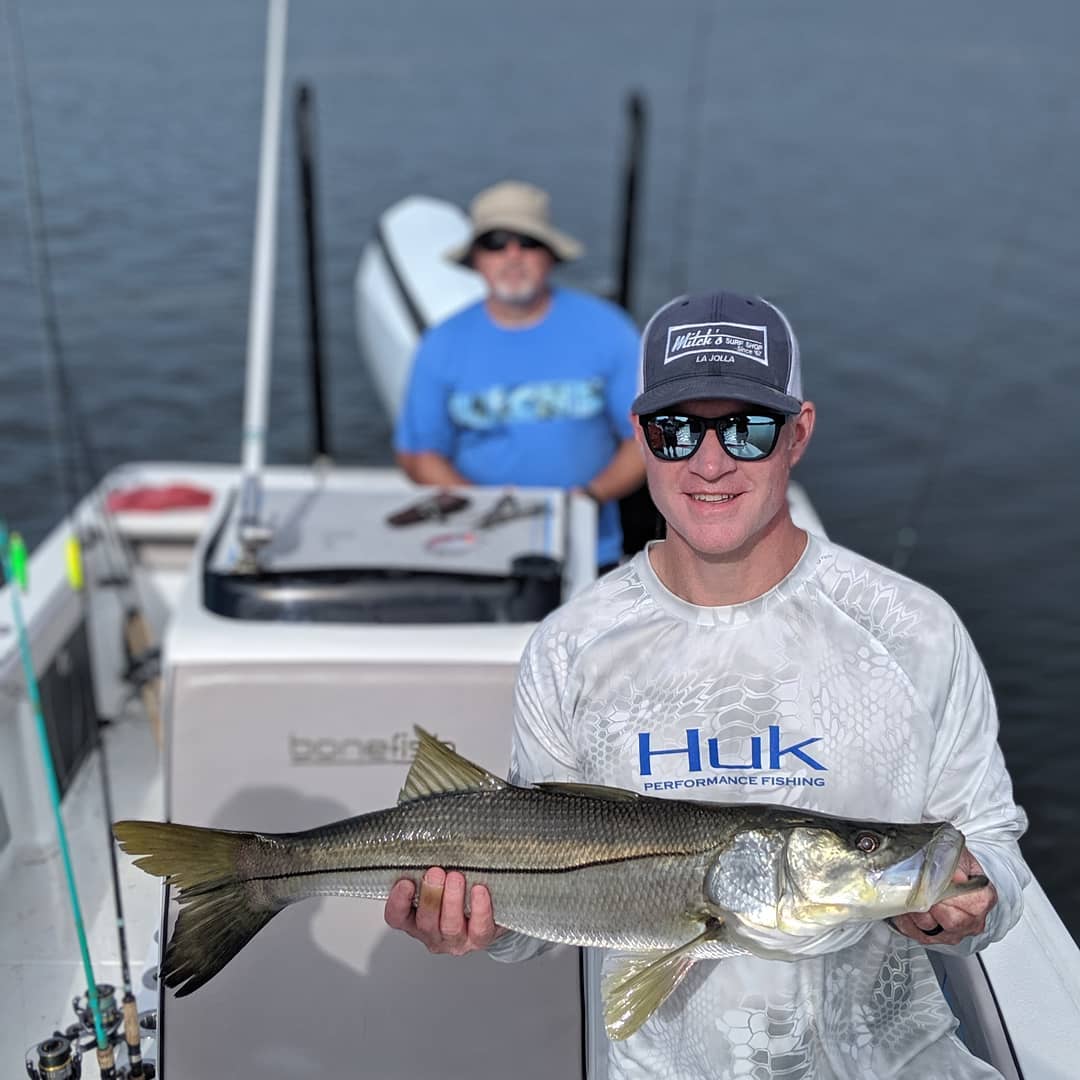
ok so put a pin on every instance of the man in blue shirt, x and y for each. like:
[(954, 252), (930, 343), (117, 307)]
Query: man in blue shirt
[(531, 386)]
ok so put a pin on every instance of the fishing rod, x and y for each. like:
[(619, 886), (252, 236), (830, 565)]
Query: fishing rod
[(55, 1058), (7, 548), (129, 1009)]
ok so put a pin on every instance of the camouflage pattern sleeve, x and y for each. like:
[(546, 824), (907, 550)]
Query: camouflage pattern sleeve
[(970, 787)]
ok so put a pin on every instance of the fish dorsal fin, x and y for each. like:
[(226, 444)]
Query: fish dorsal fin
[(591, 791), (634, 986), (438, 770)]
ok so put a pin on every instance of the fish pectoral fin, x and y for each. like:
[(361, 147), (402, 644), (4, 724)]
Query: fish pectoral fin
[(591, 791), (636, 985), (438, 770)]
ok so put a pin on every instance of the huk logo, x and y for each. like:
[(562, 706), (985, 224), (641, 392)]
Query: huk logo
[(724, 342), (703, 761), (396, 749)]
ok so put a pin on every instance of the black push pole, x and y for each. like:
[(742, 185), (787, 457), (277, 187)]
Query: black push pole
[(635, 148), (637, 513), (305, 148)]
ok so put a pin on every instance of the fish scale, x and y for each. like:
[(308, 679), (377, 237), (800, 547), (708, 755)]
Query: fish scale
[(556, 865)]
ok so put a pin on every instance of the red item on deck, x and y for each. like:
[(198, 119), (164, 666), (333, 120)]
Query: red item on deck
[(168, 497)]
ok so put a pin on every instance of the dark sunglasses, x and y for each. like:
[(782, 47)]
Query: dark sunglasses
[(499, 240), (745, 436)]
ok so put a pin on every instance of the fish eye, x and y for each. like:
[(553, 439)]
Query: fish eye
[(867, 842)]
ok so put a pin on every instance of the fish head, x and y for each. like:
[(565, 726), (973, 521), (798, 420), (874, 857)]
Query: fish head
[(807, 873), (861, 871)]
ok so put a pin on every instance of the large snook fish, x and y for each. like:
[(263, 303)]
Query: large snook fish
[(667, 881)]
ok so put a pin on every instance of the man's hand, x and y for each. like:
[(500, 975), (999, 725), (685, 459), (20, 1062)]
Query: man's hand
[(959, 917), (439, 920)]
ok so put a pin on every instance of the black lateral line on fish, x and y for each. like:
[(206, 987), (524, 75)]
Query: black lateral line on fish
[(530, 870)]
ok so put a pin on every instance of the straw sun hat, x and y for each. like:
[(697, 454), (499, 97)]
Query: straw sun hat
[(517, 207)]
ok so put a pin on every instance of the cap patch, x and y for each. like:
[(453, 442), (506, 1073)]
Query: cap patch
[(720, 342)]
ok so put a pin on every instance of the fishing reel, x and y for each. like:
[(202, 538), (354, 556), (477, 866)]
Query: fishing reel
[(60, 1057), (55, 1058), (110, 1014)]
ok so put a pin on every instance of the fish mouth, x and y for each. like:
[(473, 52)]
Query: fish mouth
[(941, 858), (917, 882)]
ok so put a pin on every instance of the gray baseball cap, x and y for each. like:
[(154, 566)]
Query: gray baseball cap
[(719, 345)]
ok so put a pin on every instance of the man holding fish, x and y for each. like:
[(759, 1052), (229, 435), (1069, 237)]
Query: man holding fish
[(743, 659), (757, 769)]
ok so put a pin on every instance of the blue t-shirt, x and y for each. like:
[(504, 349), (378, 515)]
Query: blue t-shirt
[(543, 406)]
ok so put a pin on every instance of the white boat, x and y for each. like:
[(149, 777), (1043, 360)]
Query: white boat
[(249, 707), (301, 635), (404, 286)]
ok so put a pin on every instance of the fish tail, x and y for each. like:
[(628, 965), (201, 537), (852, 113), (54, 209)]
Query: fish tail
[(219, 911)]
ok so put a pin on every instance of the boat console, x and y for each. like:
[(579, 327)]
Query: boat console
[(397, 554), (292, 688)]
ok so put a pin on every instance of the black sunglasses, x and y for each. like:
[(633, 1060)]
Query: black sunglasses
[(745, 436), (499, 240)]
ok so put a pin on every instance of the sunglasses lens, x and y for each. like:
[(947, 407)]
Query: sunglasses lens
[(745, 437), (500, 239), (750, 438), (672, 438), (493, 241)]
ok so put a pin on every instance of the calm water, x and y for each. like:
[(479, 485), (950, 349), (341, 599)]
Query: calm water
[(902, 181)]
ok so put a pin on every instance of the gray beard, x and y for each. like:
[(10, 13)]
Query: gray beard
[(520, 297)]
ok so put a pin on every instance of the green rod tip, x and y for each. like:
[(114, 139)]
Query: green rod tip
[(20, 565)]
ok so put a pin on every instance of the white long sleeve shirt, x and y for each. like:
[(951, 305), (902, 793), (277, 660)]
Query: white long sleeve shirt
[(847, 689)]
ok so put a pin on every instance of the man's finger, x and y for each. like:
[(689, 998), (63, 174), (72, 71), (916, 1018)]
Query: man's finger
[(973, 905), (398, 912), (482, 929), (916, 926), (961, 918), (922, 927), (430, 906), (452, 919)]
